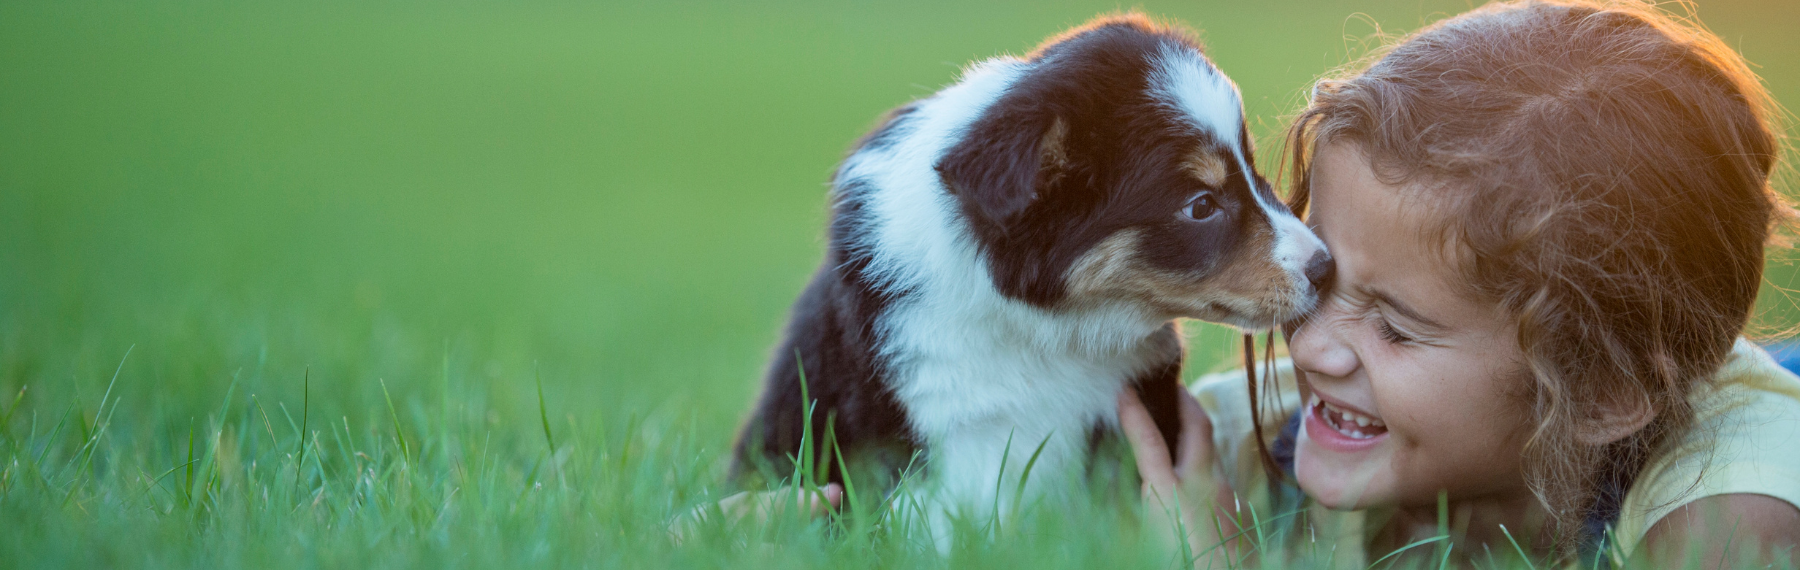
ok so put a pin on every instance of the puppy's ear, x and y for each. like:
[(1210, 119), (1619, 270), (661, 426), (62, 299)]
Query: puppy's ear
[(1002, 165)]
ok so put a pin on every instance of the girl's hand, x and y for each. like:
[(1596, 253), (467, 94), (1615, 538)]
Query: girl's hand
[(1181, 493), (760, 506)]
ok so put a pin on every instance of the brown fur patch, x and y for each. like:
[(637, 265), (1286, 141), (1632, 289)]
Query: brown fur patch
[(1207, 167)]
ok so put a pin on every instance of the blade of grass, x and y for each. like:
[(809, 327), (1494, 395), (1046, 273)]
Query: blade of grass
[(225, 406), (15, 404), (803, 460), (215, 471), (157, 481), (265, 418), (81, 423), (187, 485), (906, 475), (1443, 520), (113, 382), (993, 523), (1725, 553), (1403, 549), (444, 400), (300, 442), (632, 424), (543, 411), (6, 421), (1024, 476), (855, 503), (87, 451), (1262, 539), (53, 433), (822, 473), (543, 419), (1515, 544), (90, 439), (85, 454), (405, 449)]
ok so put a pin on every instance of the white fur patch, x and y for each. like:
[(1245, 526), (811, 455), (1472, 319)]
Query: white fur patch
[(1189, 85)]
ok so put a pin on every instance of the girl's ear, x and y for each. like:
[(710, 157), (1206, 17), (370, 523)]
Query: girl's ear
[(1617, 417)]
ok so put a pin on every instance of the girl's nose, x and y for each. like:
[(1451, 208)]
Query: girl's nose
[(1319, 348)]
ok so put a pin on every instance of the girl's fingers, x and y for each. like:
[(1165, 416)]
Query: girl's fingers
[(1196, 452), (762, 505), (833, 495), (1146, 442)]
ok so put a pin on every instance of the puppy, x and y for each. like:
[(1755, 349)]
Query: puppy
[(1009, 253)]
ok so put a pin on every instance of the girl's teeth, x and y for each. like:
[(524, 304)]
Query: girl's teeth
[(1347, 422), (1349, 416)]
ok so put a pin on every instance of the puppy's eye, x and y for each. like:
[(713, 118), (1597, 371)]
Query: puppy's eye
[(1201, 207)]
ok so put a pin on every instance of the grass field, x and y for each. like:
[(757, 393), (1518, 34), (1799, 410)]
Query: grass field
[(278, 281)]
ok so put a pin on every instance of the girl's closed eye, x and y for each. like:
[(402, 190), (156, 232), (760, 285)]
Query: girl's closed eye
[(1391, 334)]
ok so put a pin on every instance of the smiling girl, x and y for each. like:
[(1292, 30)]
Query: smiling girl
[(1548, 220)]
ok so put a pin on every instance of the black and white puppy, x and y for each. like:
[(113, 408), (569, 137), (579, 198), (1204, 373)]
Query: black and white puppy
[(1009, 253)]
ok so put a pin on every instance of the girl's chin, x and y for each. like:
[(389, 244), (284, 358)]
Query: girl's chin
[(1331, 486), (1337, 477)]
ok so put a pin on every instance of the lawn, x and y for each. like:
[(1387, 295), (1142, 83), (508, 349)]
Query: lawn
[(281, 283)]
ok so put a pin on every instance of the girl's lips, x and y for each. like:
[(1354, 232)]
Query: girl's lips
[(1319, 430)]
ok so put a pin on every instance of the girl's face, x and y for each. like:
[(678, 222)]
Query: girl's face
[(1411, 387)]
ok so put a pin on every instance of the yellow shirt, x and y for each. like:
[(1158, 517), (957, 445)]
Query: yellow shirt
[(1745, 439)]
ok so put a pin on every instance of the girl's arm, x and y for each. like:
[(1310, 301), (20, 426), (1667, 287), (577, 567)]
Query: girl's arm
[(1726, 531)]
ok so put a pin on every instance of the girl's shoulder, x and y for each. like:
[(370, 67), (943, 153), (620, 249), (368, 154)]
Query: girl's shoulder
[(1744, 439), (1225, 396)]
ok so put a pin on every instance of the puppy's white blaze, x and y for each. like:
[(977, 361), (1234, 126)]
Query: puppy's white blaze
[(1195, 90), (971, 366)]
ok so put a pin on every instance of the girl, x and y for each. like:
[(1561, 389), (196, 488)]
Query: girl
[(1548, 220)]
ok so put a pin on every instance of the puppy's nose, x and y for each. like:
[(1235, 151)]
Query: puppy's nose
[(1320, 270)]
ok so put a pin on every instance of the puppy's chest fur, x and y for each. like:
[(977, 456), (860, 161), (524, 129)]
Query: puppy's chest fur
[(983, 385)]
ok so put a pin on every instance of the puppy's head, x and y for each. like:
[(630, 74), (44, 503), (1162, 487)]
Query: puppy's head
[(1117, 168)]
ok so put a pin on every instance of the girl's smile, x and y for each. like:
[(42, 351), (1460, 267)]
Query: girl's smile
[(1341, 428)]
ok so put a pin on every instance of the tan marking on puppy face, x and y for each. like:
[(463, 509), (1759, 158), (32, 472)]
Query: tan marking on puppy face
[(1248, 287), (1111, 267), (1207, 167)]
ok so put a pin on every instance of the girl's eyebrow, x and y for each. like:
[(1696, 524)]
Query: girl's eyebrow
[(1406, 311)]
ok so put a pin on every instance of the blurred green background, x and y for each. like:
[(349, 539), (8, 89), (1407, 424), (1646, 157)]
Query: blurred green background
[(446, 196)]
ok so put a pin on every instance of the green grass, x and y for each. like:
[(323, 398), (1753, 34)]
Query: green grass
[(473, 283)]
